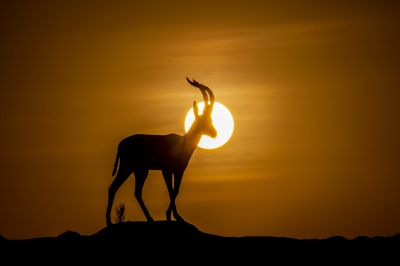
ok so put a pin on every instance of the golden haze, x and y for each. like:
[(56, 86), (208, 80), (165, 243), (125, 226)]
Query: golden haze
[(314, 88)]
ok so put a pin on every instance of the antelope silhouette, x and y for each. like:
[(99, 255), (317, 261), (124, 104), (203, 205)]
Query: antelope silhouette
[(169, 153)]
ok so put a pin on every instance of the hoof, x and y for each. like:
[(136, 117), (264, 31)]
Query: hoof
[(178, 218), (168, 214)]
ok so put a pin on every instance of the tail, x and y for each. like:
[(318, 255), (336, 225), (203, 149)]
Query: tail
[(116, 163)]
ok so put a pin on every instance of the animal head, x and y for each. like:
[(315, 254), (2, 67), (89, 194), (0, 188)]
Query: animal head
[(203, 123)]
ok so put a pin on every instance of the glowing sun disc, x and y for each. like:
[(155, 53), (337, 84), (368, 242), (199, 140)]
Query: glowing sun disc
[(222, 121)]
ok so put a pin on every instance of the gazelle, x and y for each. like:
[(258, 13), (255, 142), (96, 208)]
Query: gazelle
[(169, 153)]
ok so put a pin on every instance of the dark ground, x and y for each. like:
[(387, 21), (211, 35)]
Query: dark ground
[(173, 241)]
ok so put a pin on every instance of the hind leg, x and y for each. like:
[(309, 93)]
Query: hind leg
[(121, 177), (140, 178)]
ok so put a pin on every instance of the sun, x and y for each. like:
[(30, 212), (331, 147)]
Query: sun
[(222, 121)]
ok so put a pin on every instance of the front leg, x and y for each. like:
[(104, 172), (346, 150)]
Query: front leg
[(177, 183), (168, 181)]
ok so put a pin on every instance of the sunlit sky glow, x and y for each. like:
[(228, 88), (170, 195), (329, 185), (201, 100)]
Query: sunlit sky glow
[(313, 87)]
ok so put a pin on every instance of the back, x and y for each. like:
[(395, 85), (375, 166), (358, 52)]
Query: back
[(152, 151)]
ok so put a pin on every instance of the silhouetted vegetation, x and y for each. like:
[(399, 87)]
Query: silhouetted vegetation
[(119, 216)]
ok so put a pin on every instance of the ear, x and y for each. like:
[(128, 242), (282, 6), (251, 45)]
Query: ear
[(195, 110)]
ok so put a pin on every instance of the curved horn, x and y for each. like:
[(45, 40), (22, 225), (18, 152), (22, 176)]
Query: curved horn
[(200, 87), (210, 93)]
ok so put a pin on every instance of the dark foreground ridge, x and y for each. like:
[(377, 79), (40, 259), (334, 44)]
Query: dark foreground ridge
[(154, 231), (149, 241), (183, 231)]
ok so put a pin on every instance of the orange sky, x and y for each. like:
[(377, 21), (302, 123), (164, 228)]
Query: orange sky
[(313, 88)]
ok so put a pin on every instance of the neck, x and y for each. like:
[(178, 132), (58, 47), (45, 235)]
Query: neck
[(193, 137)]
